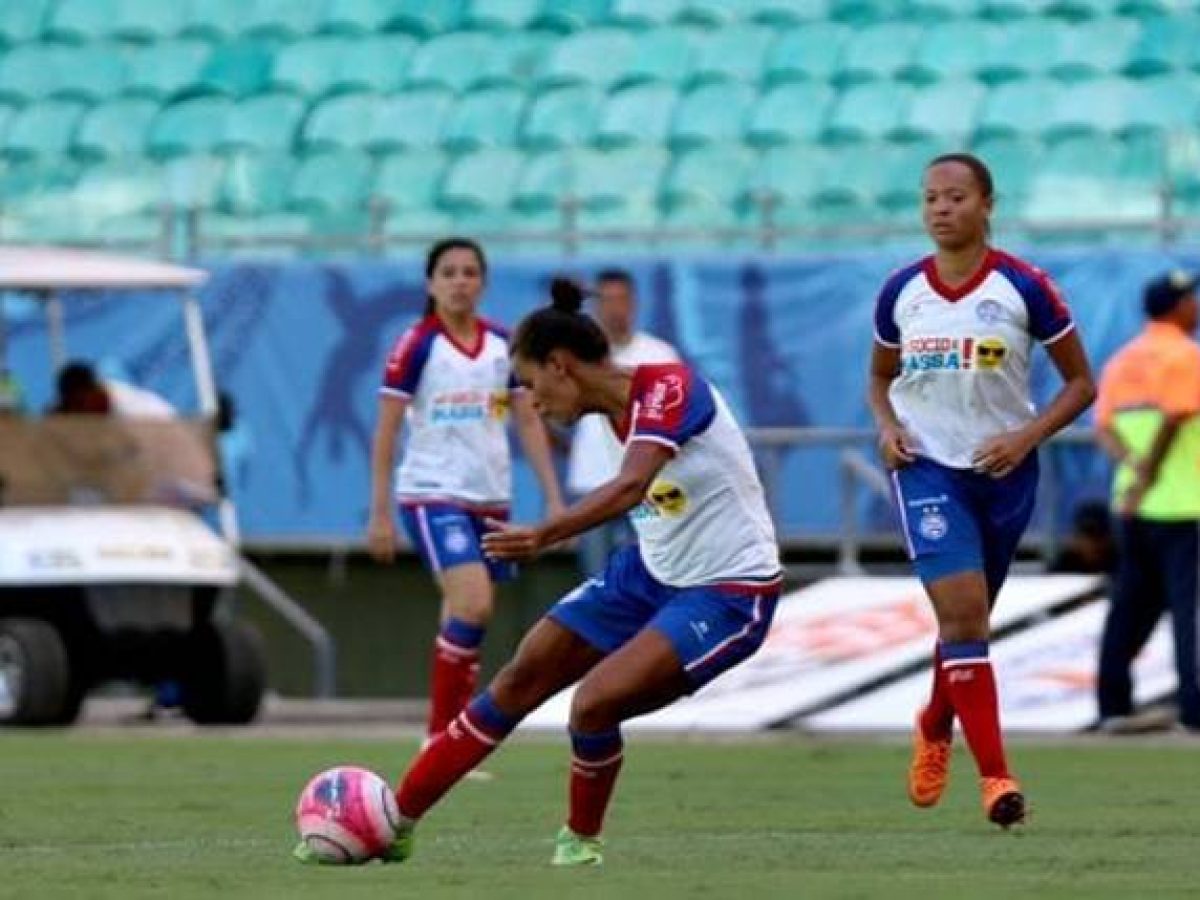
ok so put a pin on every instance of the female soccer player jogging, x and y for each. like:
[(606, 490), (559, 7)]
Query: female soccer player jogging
[(450, 378), (949, 390), (692, 598)]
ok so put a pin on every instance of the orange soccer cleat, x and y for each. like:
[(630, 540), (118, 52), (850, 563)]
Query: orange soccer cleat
[(1003, 801), (930, 767)]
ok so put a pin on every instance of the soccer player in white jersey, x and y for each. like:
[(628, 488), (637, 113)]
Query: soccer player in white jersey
[(450, 379), (692, 598), (949, 390)]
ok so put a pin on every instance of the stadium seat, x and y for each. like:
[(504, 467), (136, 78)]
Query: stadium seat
[(787, 176), (118, 128), (627, 177), (717, 174), (81, 21), (563, 118), (787, 13), (485, 179), (1167, 104), (1005, 10), (1148, 8), (877, 53), (7, 114), (1163, 45), (852, 176), (711, 14), (898, 188), (264, 123), (950, 50), (736, 53), (516, 59), (214, 20), (1094, 49), (27, 73), (644, 13), (309, 67), (1080, 10), (409, 120), (162, 71), (22, 22), (663, 55), (409, 181), (452, 61), (938, 11), (500, 15), (378, 64), (1096, 107), (421, 226), (193, 182), (570, 15), (487, 118), (597, 56), (1013, 162), (1074, 181), (90, 73), (425, 18), (1142, 161), (811, 53), (1019, 107), (43, 130), (546, 179), (867, 112), (712, 114), (119, 188), (945, 111), (331, 181), (286, 19), (236, 69), (789, 113), (341, 122), (637, 114), (189, 127), (355, 17), (147, 20), (1023, 49), (255, 183)]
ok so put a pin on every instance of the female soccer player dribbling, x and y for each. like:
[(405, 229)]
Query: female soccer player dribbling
[(949, 390), (692, 598), (450, 377)]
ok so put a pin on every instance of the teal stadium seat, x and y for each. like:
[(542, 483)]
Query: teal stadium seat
[(264, 123), (1008, 10), (711, 14), (737, 53), (1013, 161), (7, 114), (162, 71), (709, 176), (945, 111), (712, 114), (147, 21), (546, 180), (119, 188), (189, 127), (950, 50), (663, 55), (1019, 107), (637, 114), (487, 118), (1081, 10), (1169, 104), (644, 13), (410, 120), (425, 18), (811, 53), (622, 218), (571, 15), (284, 19), (516, 59), (1024, 49), (789, 113), (378, 64), (1147, 8), (852, 177), (563, 118), (214, 20), (898, 190), (81, 21), (787, 13), (117, 128), (1162, 46), (409, 181), (1076, 181), (355, 17), (937, 11), (867, 112), (485, 179), (193, 182), (27, 73), (628, 177), (877, 52), (236, 69), (43, 130), (22, 22), (255, 183), (309, 67), (453, 61), (500, 15), (341, 122), (1142, 162), (91, 73), (331, 182), (1097, 107), (420, 226), (1094, 49), (37, 200), (597, 57), (787, 179)]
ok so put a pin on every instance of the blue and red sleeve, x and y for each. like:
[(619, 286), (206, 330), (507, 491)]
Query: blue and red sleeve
[(406, 362), (887, 332), (671, 405), (1049, 317)]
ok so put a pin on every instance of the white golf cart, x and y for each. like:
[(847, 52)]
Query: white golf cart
[(108, 570)]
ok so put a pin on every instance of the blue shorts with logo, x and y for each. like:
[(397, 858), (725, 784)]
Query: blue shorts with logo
[(447, 535), (959, 520), (711, 628)]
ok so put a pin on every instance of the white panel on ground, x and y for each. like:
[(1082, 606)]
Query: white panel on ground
[(829, 639), (1047, 680)]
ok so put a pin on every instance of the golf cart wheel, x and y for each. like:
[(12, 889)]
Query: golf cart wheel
[(226, 674), (36, 686)]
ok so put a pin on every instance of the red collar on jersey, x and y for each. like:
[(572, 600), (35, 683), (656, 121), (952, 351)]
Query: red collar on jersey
[(954, 294)]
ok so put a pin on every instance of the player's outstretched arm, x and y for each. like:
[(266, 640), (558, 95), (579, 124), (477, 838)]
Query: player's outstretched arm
[(536, 443)]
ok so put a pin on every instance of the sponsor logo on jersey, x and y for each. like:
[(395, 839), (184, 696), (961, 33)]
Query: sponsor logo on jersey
[(664, 395), (937, 354), (498, 405), (456, 407)]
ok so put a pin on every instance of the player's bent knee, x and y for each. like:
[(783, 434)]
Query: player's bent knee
[(521, 686), (594, 710)]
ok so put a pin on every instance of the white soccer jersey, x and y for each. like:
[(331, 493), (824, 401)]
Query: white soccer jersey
[(965, 352), (704, 519), (457, 448)]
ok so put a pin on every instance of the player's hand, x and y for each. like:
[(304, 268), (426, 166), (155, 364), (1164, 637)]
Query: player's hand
[(506, 541), (381, 538), (895, 447), (555, 507), (999, 455), (1131, 498)]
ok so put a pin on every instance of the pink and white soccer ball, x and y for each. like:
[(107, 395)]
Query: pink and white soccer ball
[(347, 815)]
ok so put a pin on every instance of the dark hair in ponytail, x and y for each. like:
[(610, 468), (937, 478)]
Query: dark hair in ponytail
[(561, 325), (440, 249)]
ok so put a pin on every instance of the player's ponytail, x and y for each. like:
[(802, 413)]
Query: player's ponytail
[(561, 325)]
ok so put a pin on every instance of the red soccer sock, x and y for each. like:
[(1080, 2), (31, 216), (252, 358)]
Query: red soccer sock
[(450, 755), (455, 672), (971, 685), (595, 763), (937, 718)]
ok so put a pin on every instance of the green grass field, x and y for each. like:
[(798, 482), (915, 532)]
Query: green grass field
[(94, 816)]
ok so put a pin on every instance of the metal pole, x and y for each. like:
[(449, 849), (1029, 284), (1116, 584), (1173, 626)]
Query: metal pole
[(206, 386), (56, 327)]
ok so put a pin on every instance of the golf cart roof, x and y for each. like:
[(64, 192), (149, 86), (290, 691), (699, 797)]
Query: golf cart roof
[(58, 268)]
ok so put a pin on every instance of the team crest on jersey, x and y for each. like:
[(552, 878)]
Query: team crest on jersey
[(456, 540), (989, 311), (933, 525)]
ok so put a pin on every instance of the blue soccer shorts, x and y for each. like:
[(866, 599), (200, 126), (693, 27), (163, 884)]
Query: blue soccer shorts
[(711, 628), (446, 535), (959, 520)]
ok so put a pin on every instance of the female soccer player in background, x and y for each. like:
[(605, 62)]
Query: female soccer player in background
[(949, 390), (692, 598), (450, 375)]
